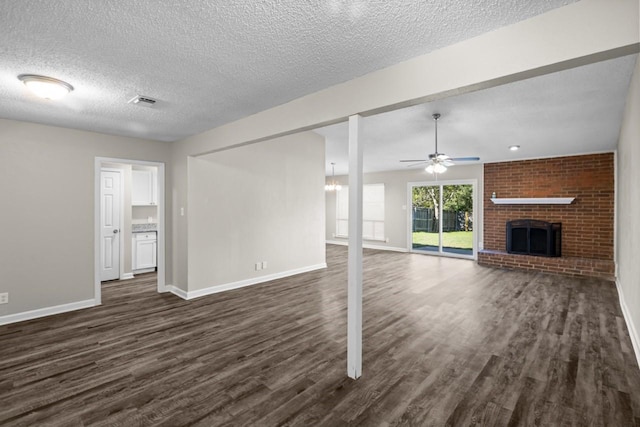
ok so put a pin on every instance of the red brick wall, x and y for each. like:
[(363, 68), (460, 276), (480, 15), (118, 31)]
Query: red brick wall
[(587, 223)]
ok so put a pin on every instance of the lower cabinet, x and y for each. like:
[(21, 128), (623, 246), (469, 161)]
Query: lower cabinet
[(145, 252)]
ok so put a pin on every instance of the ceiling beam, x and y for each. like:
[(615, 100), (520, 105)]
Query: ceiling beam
[(584, 32)]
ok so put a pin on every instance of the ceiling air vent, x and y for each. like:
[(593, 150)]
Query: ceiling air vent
[(143, 101)]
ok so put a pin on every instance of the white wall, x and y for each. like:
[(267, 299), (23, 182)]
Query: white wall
[(628, 210), (396, 197), (47, 210), (263, 202), (141, 214)]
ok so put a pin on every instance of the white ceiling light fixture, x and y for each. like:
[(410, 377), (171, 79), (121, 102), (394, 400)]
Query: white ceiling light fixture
[(45, 87), (333, 185), (514, 147), (436, 168)]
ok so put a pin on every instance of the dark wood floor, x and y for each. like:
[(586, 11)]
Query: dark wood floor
[(446, 342)]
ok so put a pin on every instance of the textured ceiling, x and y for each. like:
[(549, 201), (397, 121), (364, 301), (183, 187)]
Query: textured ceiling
[(209, 63), (571, 112)]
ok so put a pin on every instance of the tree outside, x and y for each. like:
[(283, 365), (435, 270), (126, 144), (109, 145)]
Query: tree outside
[(457, 215)]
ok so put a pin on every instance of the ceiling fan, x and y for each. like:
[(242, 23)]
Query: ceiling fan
[(438, 162)]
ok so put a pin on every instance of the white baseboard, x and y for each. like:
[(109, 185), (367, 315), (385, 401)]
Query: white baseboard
[(633, 332), (242, 283), (126, 276), (177, 291), (368, 246), (47, 311), (143, 270)]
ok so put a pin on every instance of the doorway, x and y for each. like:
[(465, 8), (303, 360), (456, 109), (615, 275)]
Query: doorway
[(110, 251), (442, 218)]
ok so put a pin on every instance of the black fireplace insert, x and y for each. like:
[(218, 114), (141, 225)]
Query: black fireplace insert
[(533, 237)]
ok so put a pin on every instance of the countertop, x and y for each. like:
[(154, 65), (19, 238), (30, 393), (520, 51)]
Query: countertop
[(143, 228)]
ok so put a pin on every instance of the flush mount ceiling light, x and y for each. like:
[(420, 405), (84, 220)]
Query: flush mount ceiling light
[(333, 185), (514, 147), (45, 87)]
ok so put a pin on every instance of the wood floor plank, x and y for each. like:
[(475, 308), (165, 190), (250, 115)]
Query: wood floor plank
[(446, 342)]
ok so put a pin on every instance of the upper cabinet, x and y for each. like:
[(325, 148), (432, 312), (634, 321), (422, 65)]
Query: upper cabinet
[(144, 188)]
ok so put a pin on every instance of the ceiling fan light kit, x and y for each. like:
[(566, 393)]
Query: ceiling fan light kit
[(439, 162), (437, 168)]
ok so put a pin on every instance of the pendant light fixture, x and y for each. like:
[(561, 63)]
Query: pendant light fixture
[(333, 185), (45, 87)]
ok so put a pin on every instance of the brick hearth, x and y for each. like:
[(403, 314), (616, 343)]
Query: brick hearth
[(570, 266)]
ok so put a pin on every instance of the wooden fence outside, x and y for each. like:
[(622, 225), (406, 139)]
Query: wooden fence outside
[(424, 219)]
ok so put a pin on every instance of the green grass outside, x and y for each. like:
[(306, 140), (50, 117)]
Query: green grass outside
[(450, 239)]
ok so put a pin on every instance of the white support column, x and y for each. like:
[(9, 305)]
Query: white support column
[(354, 300)]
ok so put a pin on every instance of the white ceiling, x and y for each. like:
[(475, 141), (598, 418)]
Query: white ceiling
[(209, 63), (571, 112)]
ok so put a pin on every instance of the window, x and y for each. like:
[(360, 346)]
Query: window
[(372, 212)]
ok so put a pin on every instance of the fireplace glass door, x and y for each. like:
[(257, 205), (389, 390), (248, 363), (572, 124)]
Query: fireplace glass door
[(534, 237)]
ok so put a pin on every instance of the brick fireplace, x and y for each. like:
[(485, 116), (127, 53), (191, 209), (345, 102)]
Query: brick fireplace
[(587, 223)]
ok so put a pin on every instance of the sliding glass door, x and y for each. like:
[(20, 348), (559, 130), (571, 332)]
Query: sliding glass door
[(425, 227), (442, 219)]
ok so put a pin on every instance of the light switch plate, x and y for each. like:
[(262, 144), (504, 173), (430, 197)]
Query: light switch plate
[(4, 298)]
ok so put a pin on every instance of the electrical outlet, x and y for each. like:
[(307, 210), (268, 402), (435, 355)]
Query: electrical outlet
[(258, 266), (264, 264), (4, 298)]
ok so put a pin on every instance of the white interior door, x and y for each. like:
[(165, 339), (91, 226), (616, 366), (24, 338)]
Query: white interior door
[(110, 200)]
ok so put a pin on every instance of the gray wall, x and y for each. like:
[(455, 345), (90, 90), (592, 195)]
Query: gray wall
[(396, 197), (178, 188), (47, 211), (628, 208), (262, 202)]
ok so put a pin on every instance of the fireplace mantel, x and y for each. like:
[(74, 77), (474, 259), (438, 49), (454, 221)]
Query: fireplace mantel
[(534, 201)]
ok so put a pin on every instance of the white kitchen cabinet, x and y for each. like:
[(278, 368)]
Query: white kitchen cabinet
[(144, 187), (145, 252)]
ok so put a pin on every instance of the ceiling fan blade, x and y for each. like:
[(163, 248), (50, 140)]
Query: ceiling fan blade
[(419, 160), (465, 159), (447, 162), (424, 162)]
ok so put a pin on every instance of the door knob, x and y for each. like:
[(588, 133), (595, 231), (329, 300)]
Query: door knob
[(115, 231)]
